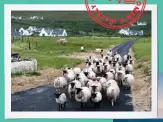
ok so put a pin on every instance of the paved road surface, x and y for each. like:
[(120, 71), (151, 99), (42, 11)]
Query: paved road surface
[(42, 98)]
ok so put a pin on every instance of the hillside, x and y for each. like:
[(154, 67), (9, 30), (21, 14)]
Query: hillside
[(73, 21)]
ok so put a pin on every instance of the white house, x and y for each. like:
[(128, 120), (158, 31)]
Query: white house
[(141, 23), (32, 28), (21, 30), (124, 31), (136, 33), (27, 33), (45, 32)]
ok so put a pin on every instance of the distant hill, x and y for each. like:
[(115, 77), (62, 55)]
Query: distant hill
[(73, 21)]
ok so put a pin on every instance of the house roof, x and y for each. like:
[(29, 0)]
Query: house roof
[(39, 29), (58, 31), (15, 33)]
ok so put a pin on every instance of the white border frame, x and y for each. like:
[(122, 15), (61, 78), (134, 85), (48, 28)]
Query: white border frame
[(73, 7)]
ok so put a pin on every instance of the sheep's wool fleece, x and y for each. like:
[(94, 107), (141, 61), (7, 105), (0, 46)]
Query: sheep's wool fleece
[(62, 99)]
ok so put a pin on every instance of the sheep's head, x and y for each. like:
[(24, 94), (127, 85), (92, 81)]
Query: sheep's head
[(97, 63), (86, 73), (94, 87), (79, 93), (119, 74), (57, 95), (125, 80), (105, 75), (94, 95), (72, 85), (110, 62)]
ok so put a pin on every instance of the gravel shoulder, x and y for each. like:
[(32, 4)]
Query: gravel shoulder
[(141, 90)]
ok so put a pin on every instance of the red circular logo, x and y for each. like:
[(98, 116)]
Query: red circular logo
[(114, 23)]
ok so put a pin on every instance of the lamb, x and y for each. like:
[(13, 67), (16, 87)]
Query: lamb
[(112, 92), (71, 87), (96, 98), (61, 100), (128, 81), (83, 95)]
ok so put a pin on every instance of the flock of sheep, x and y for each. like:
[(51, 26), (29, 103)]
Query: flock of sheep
[(102, 76)]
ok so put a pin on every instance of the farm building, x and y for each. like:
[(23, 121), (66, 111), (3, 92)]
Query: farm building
[(136, 33), (21, 30), (53, 32), (45, 32), (141, 23), (27, 33), (15, 33), (129, 32), (124, 31), (38, 30)]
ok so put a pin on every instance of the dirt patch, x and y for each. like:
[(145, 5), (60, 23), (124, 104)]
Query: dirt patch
[(141, 90)]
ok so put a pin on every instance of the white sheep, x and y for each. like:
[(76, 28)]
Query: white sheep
[(119, 76), (96, 98), (129, 68), (69, 75), (91, 75), (108, 83), (95, 86), (112, 92), (98, 68), (61, 100), (82, 78), (72, 86), (110, 53), (130, 61), (60, 82), (83, 95), (109, 75), (106, 67), (118, 58), (128, 81)]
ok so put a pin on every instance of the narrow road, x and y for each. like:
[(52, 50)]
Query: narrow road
[(42, 98)]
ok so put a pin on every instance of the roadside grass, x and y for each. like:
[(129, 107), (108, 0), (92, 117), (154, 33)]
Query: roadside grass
[(26, 74), (47, 51), (142, 53)]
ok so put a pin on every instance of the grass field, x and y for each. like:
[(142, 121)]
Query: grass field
[(48, 52), (142, 53)]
